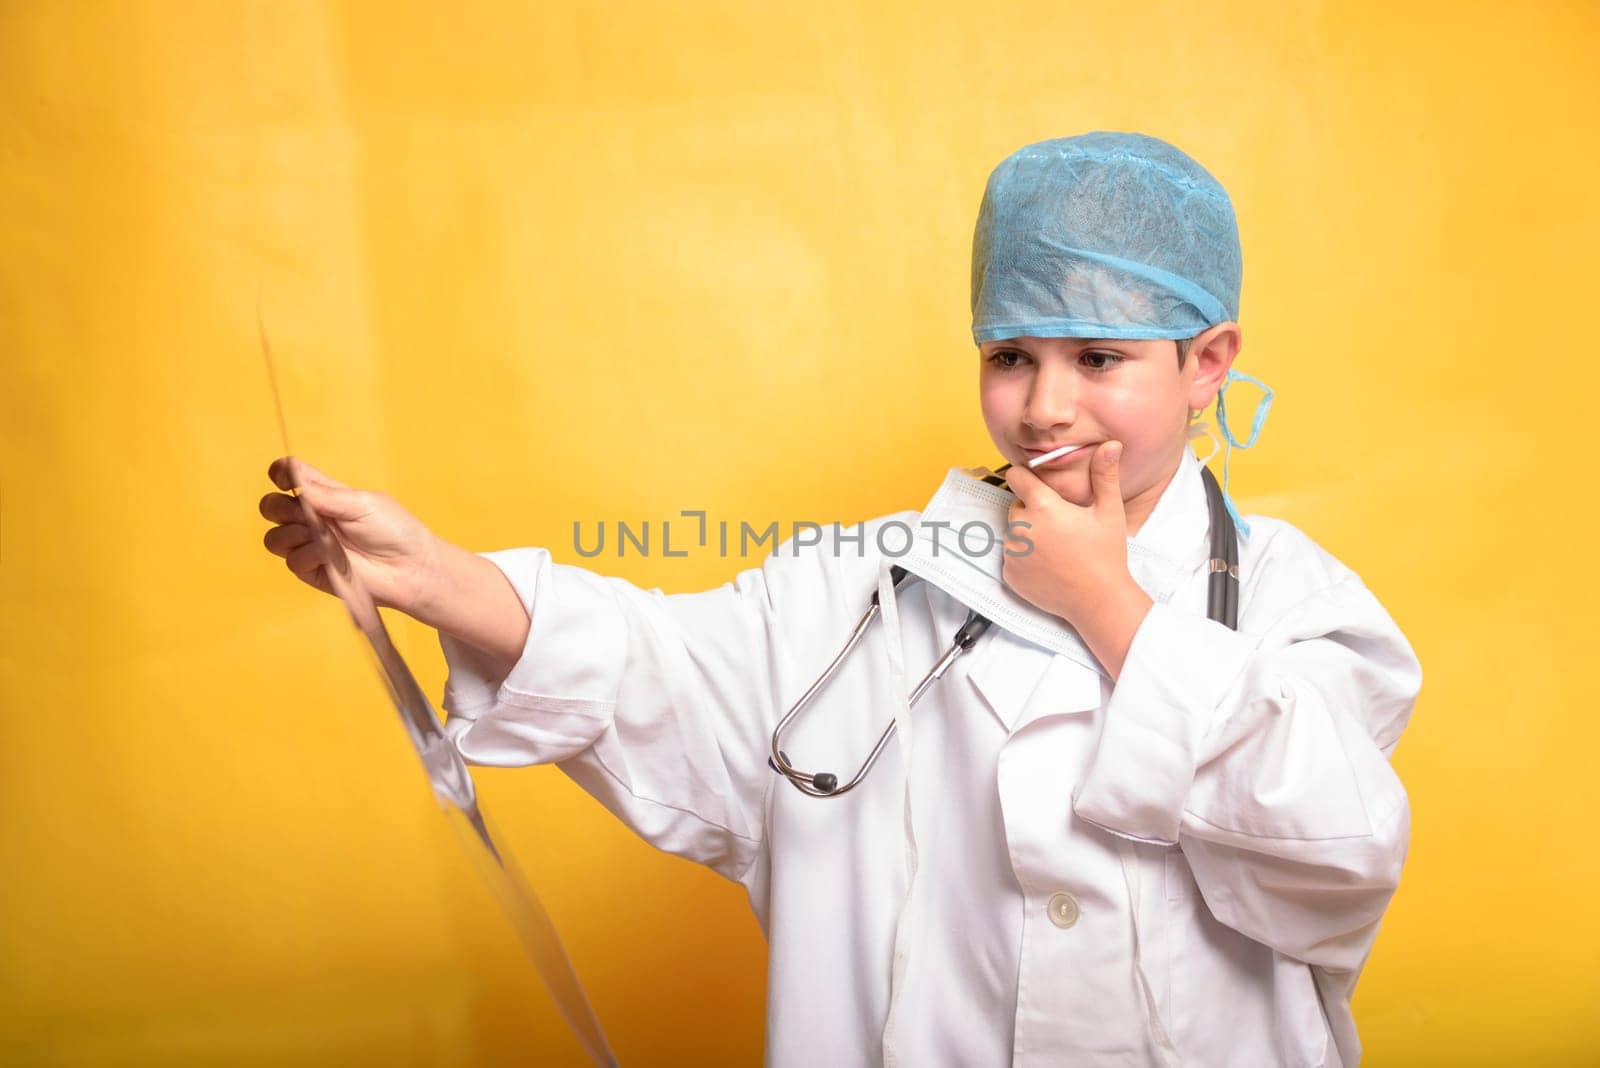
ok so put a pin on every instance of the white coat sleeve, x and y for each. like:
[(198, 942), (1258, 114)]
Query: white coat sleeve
[(1265, 758), (659, 706)]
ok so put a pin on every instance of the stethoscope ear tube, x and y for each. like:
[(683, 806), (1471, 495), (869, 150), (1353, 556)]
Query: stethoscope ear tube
[(1222, 595)]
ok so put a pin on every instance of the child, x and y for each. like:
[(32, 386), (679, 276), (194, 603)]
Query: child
[(1116, 831)]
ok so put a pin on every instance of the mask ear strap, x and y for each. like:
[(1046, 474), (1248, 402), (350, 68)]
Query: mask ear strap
[(1263, 406)]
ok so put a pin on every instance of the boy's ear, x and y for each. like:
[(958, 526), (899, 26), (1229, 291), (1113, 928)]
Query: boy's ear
[(1212, 352)]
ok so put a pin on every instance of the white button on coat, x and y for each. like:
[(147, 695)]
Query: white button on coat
[(1062, 909), (1226, 815)]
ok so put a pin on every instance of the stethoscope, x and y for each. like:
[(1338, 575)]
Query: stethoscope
[(1222, 606)]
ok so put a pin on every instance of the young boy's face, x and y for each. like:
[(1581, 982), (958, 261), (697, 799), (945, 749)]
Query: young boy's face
[(1041, 393)]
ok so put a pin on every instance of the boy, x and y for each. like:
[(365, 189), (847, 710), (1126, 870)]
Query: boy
[(1117, 831)]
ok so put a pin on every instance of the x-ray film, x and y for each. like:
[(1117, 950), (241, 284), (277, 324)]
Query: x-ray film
[(448, 775)]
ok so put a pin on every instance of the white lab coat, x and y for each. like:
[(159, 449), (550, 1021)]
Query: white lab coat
[(1235, 785)]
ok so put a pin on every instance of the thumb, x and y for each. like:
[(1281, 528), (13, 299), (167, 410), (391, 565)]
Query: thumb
[(1105, 476), (304, 473), (335, 502), (290, 472)]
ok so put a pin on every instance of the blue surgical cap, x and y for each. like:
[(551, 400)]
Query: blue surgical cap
[(1109, 235)]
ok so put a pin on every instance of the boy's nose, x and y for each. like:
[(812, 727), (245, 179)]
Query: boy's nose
[(1053, 400)]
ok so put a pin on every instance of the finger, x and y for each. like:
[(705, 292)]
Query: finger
[(281, 508), (316, 579), (306, 559), (1105, 476), (1018, 539), (281, 541), (1029, 487), (278, 471)]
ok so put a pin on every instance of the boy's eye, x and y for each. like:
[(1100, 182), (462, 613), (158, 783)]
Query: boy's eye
[(1095, 359), (1006, 358)]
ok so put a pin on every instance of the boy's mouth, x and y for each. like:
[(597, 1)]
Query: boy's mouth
[(1078, 450)]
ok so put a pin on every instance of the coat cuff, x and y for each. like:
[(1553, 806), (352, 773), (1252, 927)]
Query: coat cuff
[(561, 693), (1178, 669)]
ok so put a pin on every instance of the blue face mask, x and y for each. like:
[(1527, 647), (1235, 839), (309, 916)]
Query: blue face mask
[(1262, 407)]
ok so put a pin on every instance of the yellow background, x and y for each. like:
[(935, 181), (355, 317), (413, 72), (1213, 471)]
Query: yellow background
[(531, 263)]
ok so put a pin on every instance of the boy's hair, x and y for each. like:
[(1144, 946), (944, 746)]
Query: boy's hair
[(1183, 350)]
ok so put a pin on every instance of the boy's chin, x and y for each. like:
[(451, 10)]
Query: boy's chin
[(1071, 486)]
